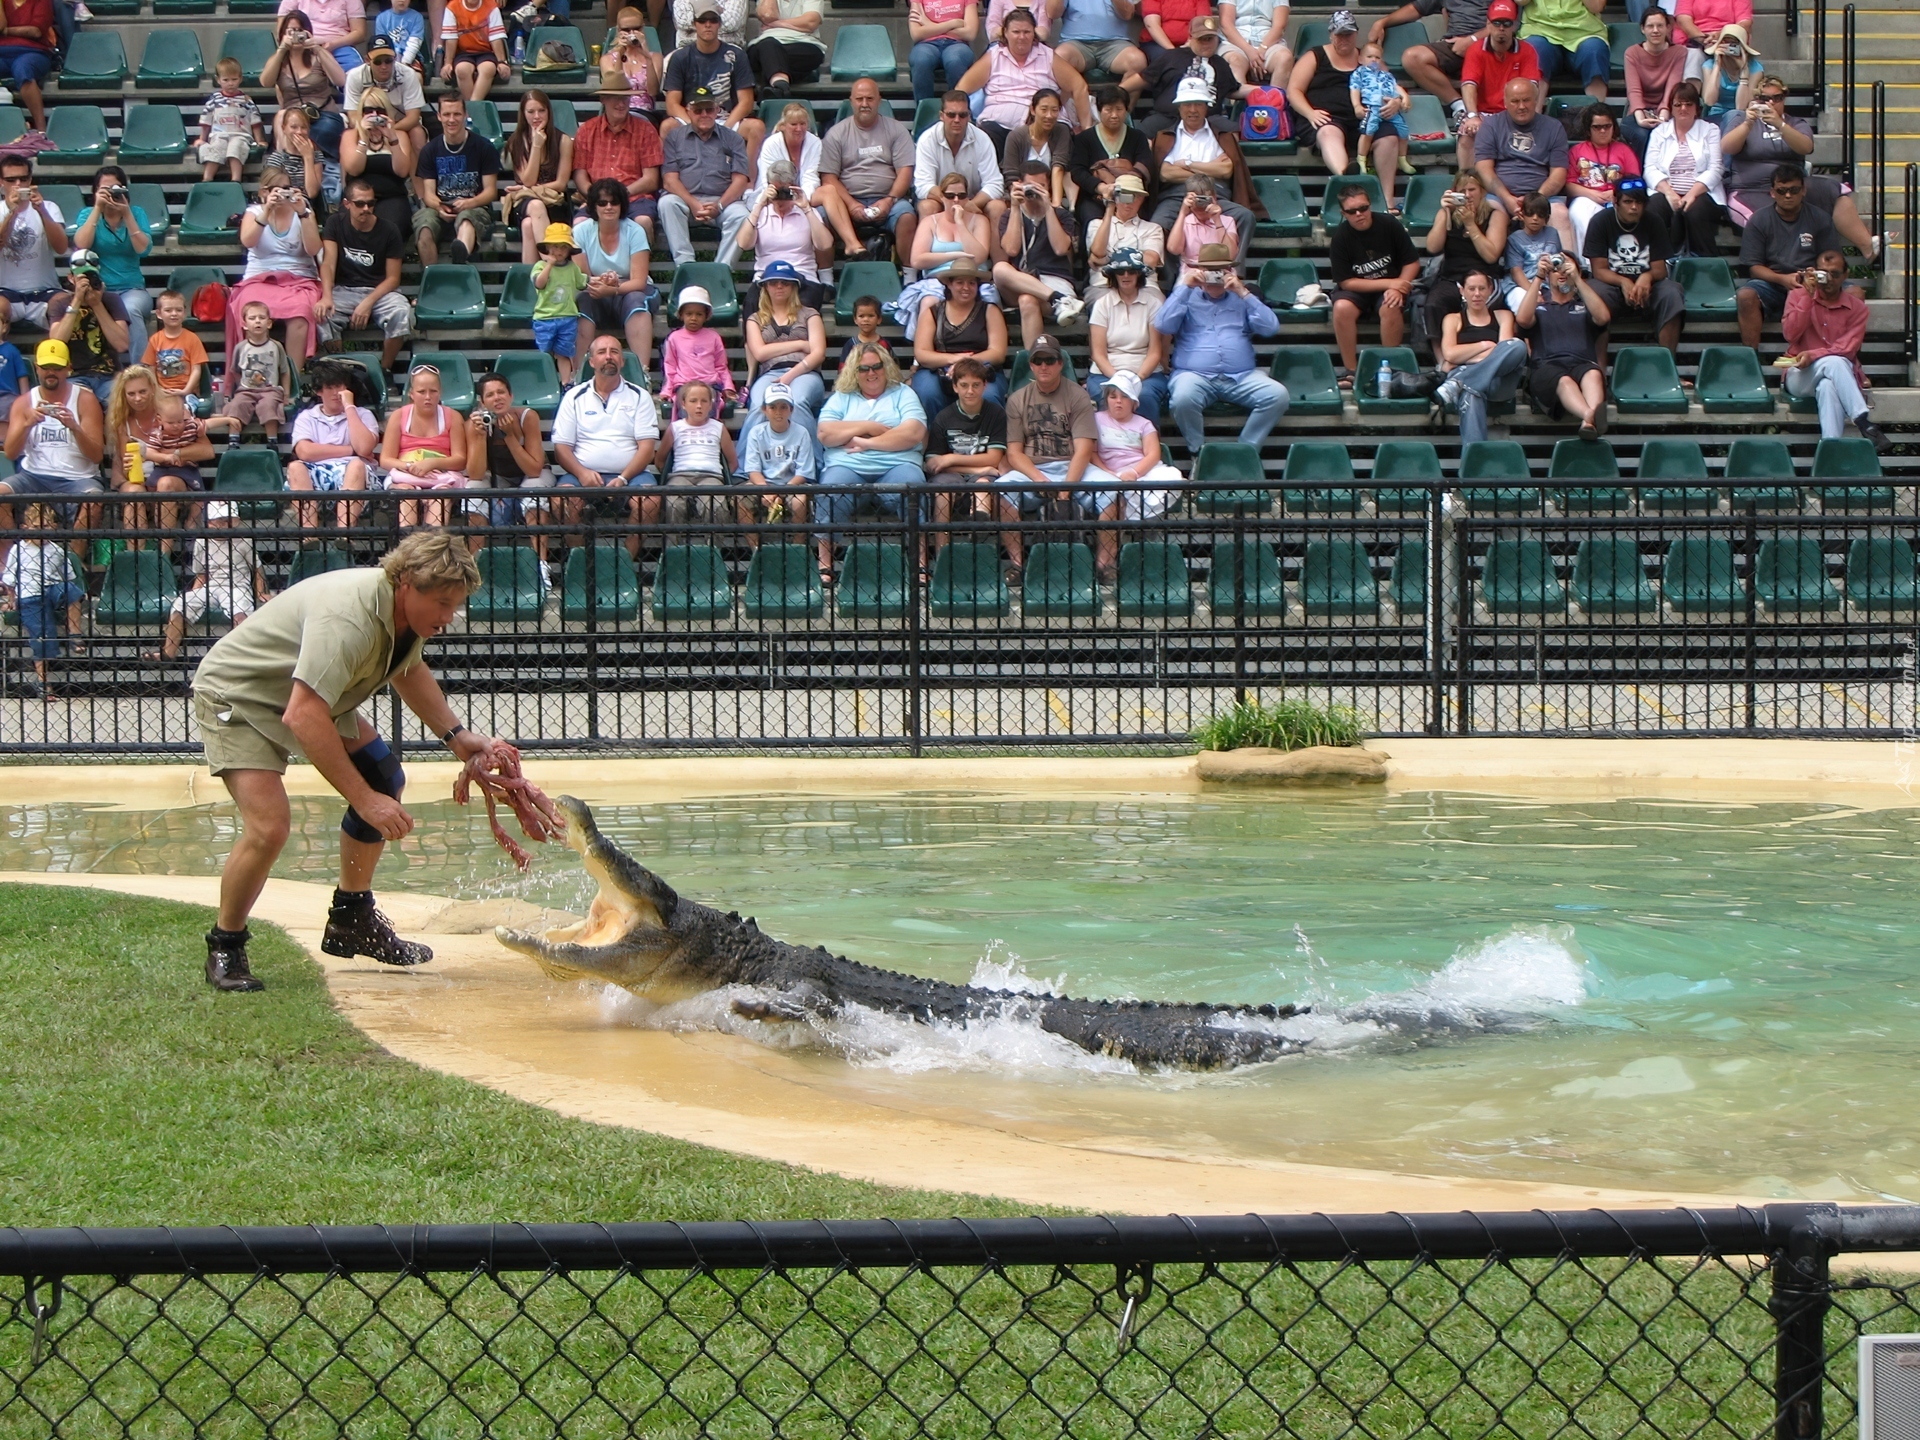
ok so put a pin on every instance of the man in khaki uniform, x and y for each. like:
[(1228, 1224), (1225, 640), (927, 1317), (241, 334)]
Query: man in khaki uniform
[(291, 680)]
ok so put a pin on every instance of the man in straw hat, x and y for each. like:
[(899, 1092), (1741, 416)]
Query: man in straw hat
[(1212, 318), (292, 681), (360, 257), (618, 145)]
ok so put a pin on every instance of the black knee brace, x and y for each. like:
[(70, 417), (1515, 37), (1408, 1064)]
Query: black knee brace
[(381, 768)]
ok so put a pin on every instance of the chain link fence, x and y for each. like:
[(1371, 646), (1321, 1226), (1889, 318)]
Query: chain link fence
[(1717, 1323), (1624, 607)]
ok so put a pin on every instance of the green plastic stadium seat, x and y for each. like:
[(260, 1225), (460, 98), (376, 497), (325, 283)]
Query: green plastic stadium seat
[(782, 584), (535, 381), (138, 590), (1238, 470), (565, 118), (483, 118), (1790, 576), (77, 133), (251, 470), (1318, 479), (153, 200), (1427, 117), (451, 298), (517, 296), (510, 588), (967, 583), (1286, 206), (1697, 577), (1399, 40), (1402, 462), (568, 35), (1407, 581), (873, 581), (1880, 574), (1730, 383), (1517, 578), (252, 46), (317, 561), (878, 278), (716, 280), (370, 364), (187, 279), (1153, 581), (1059, 582), (1646, 381), (171, 60), (95, 61), (252, 7), (1307, 372), (152, 133), (615, 592), (1281, 280), (1609, 578), (117, 7), (1020, 370), (1336, 578), (1849, 457), (631, 372), (1587, 460), (863, 52), (183, 7), (925, 116), (69, 200), (1767, 459), (13, 124), (1366, 379), (1251, 568), (1330, 204), (210, 205), (1707, 282), (1675, 460), (1622, 36), (1421, 199), (1498, 461), (1310, 34), (691, 583), (456, 376)]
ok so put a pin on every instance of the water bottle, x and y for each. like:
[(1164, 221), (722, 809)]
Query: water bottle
[(1383, 381), (520, 52)]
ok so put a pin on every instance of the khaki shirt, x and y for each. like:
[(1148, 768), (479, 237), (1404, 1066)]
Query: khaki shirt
[(334, 633)]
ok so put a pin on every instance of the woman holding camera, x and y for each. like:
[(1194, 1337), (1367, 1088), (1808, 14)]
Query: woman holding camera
[(303, 72), (282, 241), (630, 61), (504, 452), (115, 229), (1765, 137), (781, 228), (1726, 72), (385, 156), (540, 155), (1470, 237)]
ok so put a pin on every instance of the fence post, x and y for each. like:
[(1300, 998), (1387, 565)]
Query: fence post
[(592, 676), (1435, 615), (1239, 603), (1753, 618), (1820, 56), (910, 503), (1799, 1304), (1848, 106)]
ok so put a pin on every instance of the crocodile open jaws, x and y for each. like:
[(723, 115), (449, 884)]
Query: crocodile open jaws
[(640, 935)]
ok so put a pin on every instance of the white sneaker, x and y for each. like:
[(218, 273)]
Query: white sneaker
[(1067, 309), (81, 13), (1447, 392)]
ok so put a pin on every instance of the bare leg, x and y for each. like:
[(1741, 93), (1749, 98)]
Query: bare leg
[(1386, 164), (1346, 332), (1331, 141), (1009, 512), (265, 820), (533, 224)]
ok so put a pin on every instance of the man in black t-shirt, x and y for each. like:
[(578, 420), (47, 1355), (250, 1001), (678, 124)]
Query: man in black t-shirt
[(1777, 245), (1629, 255), (967, 443), (1202, 57), (1374, 267), (1564, 318), (360, 259), (723, 70), (459, 175)]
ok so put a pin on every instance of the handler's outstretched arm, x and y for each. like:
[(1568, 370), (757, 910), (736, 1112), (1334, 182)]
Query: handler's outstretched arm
[(422, 693)]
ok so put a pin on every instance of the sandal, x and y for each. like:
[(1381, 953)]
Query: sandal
[(826, 577), (155, 655), (1015, 574)]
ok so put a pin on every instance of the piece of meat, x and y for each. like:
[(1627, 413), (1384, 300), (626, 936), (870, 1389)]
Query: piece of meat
[(498, 775)]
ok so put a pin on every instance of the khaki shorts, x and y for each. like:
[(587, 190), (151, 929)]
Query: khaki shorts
[(232, 743)]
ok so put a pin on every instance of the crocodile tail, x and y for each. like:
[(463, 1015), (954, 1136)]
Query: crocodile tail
[(1188, 1037)]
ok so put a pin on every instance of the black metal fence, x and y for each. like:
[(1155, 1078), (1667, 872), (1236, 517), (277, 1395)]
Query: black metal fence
[(1584, 606), (1665, 1323)]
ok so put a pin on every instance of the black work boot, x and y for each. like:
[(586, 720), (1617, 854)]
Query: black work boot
[(354, 927), (227, 961)]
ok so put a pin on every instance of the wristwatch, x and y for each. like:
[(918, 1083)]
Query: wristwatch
[(447, 739)]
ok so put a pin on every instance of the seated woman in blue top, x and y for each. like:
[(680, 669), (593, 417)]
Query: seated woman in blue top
[(117, 231), (874, 431), (615, 252)]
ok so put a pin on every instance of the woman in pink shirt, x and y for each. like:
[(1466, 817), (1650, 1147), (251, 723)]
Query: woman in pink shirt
[(1700, 18), (1010, 74), (1595, 165), (779, 228)]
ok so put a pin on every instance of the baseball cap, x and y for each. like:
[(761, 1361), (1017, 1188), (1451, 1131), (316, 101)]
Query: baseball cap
[(378, 44), (777, 394), (779, 270), (1126, 382), (702, 11), (1341, 22), (1045, 345), (1630, 185), (84, 260), (701, 96), (220, 510), (1503, 10), (1204, 25), (1129, 185), (1192, 89), (52, 352)]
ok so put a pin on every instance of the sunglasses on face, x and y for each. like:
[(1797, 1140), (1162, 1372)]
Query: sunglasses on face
[(956, 196), (872, 369), (1043, 360), (1355, 209), (1501, 24), (359, 204)]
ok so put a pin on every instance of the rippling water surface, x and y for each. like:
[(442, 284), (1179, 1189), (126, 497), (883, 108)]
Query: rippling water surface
[(1718, 996)]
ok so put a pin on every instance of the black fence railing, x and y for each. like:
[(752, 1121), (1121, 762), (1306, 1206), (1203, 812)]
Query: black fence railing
[(1665, 1323), (1593, 605), (1910, 255), (1849, 96)]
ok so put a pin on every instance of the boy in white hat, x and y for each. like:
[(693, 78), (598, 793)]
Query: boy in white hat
[(558, 281), (694, 352), (226, 578)]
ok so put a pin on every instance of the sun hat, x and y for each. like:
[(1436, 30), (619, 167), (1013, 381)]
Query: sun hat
[(1215, 255), (1125, 258), (1193, 89), (963, 267), (624, 92), (220, 510), (1341, 22), (1126, 382), (693, 295), (1129, 185), (559, 233), (1737, 34)]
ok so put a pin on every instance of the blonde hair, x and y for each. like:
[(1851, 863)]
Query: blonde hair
[(765, 315), (849, 378), (431, 560), (117, 399), (1483, 212), (796, 108)]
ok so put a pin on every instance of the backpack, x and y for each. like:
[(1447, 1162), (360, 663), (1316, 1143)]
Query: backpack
[(555, 55), (1265, 116), (210, 303)]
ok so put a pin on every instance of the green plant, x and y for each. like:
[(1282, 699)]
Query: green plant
[(1287, 724)]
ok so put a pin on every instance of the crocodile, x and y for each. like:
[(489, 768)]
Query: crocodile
[(641, 935)]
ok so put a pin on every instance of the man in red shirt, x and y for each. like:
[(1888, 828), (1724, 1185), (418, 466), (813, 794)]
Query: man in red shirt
[(619, 146), (1487, 67), (1824, 325)]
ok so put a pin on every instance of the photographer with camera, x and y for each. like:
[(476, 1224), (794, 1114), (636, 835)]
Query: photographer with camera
[(1039, 237), (116, 230), (779, 227), (1566, 319), (337, 27), (1469, 234), (1824, 325), (1777, 246), (1726, 69), (282, 240), (302, 73), (92, 324), (1212, 319), (31, 235)]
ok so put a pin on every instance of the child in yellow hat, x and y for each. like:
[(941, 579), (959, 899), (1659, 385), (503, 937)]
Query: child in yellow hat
[(556, 311)]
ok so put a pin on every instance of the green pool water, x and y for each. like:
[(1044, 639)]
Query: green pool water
[(1721, 996)]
